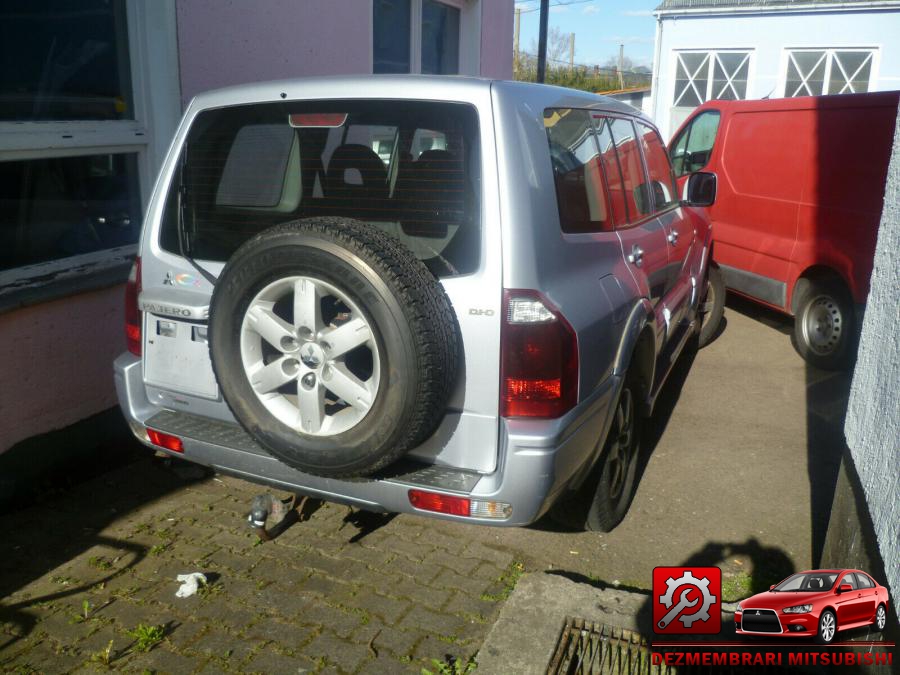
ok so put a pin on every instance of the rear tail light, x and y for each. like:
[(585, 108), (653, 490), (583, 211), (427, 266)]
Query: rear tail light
[(539, 357), (132, 313), (459, 506), (163, 440)]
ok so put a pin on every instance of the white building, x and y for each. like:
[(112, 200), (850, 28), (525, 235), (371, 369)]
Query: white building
[(737, 49)]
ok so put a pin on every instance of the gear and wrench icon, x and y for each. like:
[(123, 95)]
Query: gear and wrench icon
[(688, 579)]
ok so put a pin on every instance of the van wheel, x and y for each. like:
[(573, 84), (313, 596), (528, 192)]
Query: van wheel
[(603, 500), (824, 325), (712, 306), (334, 347)]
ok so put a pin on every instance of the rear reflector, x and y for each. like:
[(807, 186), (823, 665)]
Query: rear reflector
[(166, 441), (459, 506)]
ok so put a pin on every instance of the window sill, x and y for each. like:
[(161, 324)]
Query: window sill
[(57, 279)]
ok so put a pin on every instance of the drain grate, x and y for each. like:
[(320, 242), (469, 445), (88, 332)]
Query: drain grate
[(588, 648)]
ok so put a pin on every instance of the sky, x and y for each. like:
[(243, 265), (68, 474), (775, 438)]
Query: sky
[(600, 26)]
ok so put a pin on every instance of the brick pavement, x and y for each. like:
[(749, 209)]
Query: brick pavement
[(383, 594)]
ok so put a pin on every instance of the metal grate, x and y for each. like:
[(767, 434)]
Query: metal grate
[(587, 648)]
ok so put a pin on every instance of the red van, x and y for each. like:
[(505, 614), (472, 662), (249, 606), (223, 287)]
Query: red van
[(800, 191)]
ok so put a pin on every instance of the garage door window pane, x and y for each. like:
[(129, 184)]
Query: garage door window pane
[(391, 36), (850, 73), (62, 60), (440, 39), (65, 206)]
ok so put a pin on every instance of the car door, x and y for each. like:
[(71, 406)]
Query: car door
[(848, 601), (868, 597), (641, 234), (679, 229)]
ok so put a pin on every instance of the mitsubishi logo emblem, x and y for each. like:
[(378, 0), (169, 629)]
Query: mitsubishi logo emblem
[(757, 612), (311, 355)]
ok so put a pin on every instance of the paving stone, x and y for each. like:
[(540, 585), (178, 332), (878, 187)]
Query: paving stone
[(432, 648), (386, 665), (347, 656), (269, 660), (431, 622), (285, 636), (418, 550), (423, 572), (338, 621), (162, 660), (426, 595), (470, 585), (389, 610), (386, 639), (224, 646), (479, 551)]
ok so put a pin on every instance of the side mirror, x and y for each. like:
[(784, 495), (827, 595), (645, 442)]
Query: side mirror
[(845, 588), (700, 189), (772, 587)]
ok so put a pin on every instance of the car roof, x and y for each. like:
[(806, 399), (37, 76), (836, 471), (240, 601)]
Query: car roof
[(413, 87), (870, 99)]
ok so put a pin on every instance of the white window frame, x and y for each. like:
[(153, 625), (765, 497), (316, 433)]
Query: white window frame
[(711, 56), (874, 51), (415, 34), (157, 107)]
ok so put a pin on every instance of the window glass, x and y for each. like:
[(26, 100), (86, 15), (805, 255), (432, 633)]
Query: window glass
[(250, 167), (703, 76), (806, 73), (637, 197), (65, 206), (691, 78), (693, 147), (850, 579), (850, 72), (864, 581), (440, 38), (576, 171), (61, 60), (658, 167), (391, 30), (730, 75), (611, 169)]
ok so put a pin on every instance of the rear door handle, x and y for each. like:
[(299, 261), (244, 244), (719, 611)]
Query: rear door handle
[(637, 254), (673, 237)]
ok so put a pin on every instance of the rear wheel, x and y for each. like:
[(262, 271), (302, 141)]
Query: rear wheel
[(824, 324), (880, 617), (602, 502)]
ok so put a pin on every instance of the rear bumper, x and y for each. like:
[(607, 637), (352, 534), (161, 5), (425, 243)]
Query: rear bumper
[(537, 459)]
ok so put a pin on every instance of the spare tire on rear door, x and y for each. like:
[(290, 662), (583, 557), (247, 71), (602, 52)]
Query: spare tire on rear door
[(334, 347)]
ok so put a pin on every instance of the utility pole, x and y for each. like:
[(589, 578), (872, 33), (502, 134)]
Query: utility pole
[(516, 44), (621, 66), (542, 41), (572, 52)]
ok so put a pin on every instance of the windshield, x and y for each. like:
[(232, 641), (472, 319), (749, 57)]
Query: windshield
[(409, 168), (812, 582)]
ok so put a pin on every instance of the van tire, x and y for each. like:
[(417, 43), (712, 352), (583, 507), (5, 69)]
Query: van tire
[(413, 339), (824, 324), (715, 298)]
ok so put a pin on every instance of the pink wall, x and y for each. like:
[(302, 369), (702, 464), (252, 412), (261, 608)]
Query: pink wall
[(497, 39), (56, 363), (221, 43)]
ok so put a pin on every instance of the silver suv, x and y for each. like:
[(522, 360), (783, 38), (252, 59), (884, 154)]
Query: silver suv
[(444, 296)]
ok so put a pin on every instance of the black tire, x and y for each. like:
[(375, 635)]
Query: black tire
[(825, 324), (410, 317), (603, 500), (712, 306), (827, 628)]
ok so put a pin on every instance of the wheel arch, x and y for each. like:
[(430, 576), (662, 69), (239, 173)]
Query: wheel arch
[(811, 274), (638, 349)]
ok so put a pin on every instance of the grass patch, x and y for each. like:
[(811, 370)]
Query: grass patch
[(159, 549), (451, 666), (100, 563), (104, 657), (507, 581), (737, 587), (146, 637)]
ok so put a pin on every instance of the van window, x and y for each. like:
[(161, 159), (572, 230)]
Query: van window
[(611, 169), (662, 181), (634, 181), (580, 196), (409, 168), (691, 150)]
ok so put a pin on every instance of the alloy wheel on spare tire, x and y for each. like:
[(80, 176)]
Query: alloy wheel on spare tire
[(334, 347)]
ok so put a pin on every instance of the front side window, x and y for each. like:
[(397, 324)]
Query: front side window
[(409, 168), (662, 182), (706, 75), (577, 175), (692, 149), (816, 72)]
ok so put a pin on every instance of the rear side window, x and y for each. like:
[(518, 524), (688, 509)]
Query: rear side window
[(611, 169), (662, 182), (692, 149), (634, 184), (577, 175), (863, 581), (409, 168)]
